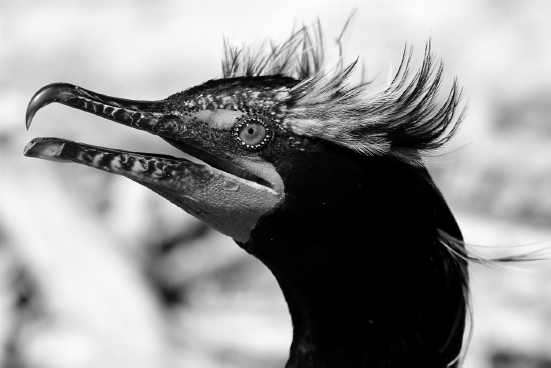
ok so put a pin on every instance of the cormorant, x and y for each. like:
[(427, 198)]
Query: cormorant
[(323, 181)]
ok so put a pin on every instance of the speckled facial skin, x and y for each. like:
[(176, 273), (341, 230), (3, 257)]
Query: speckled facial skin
[(259, 95)]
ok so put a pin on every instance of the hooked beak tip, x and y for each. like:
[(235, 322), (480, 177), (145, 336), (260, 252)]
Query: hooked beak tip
[(29, 118), (56, 92), (32, 108)]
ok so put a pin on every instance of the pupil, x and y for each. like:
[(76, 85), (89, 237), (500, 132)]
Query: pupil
[(250, 131)]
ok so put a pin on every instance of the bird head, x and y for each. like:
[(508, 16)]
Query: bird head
[(247, 130), (320, 178), (225, 123)]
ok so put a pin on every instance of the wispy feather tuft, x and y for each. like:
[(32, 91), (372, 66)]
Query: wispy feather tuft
[(301, 56), (462, 254), (402, 120), (527, 261)]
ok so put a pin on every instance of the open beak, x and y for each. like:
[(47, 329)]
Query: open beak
[(228, 198)]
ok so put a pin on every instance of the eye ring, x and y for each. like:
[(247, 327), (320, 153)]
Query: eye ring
[(252, 133)]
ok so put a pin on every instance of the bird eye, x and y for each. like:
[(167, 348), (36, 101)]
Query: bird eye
[(252, 134)]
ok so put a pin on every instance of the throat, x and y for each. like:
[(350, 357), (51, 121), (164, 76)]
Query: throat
[(352, 322)]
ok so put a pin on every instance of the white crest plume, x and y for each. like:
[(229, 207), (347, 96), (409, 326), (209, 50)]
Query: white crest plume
[(401, 120)]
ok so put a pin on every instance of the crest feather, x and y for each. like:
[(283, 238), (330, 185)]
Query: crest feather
[(300, 56), (402, 120)]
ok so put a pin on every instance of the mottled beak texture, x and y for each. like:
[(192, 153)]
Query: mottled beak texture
[(230, 192)]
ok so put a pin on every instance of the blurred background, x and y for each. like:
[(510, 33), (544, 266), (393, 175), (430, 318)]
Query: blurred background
[(96, 271)]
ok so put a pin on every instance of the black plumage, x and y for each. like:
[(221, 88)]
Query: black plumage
[(365, 278)]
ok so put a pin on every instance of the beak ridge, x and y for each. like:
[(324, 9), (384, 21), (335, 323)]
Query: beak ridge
[(150, 116)]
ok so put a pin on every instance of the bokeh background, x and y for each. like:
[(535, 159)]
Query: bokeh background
[(96, 271)]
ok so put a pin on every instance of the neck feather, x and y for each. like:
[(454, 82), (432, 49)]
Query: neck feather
[(355, 250)]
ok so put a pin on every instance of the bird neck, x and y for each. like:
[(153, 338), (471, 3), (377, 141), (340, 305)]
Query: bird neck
[(368, 318), (354, 248)]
